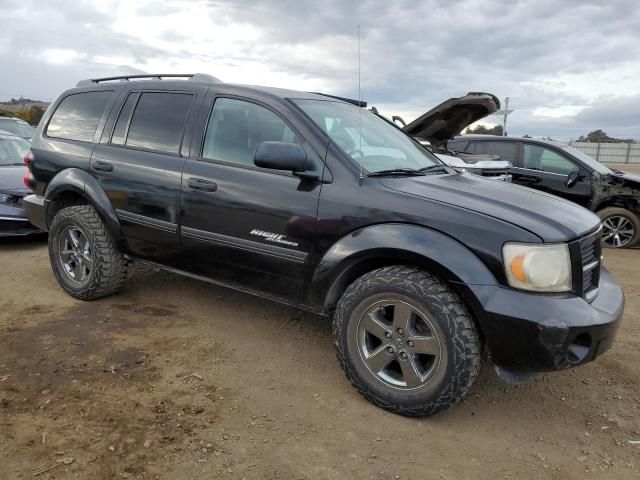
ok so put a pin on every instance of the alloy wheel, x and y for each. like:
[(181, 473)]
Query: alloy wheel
[(76, 255), (399, 344), (617, 231)]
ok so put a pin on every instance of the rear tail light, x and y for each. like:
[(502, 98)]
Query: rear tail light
[(28, 179), (28, 159)]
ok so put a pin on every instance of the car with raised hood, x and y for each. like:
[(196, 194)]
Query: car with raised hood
[(17, 127), (269, 192), (436, 127), (13, 218), (560, 169)]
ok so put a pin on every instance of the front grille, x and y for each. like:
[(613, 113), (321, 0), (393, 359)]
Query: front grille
[(590, 255)]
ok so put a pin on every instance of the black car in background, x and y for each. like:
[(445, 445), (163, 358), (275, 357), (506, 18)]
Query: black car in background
[(565, 171), (13, 219), (17, 127)]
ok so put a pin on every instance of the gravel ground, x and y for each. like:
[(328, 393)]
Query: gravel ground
[(177, 379)]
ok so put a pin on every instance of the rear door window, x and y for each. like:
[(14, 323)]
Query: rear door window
[(505, 150), (158, 121), (78, 115)]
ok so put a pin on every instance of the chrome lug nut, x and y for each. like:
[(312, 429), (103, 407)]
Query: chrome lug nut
[(390, 349), (410, 343), (387, 334), (404, 355), (401, 331)]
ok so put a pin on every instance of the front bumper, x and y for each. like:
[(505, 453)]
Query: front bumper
[(14, 221), (527, 332)]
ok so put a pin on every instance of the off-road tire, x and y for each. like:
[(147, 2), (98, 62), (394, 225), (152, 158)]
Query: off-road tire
[(109, 270), (622, 212), (445, 308)]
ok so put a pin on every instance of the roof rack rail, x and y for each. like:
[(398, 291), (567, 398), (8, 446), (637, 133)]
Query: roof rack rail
[(196, 77), (357, 103)]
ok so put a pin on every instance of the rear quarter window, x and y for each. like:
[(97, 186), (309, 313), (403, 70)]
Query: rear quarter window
[(78, 115)]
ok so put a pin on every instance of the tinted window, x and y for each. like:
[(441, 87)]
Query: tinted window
[(505, 150), (78, 115), (540, 158), (158, 121), (120, 131), (457, 146), (236, 128)]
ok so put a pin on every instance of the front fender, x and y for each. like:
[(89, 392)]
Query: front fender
[(80, 182), (396, 242)]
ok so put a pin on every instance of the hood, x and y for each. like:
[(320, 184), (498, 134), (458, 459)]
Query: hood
[(11, 180), (449, 118), (550, 218)]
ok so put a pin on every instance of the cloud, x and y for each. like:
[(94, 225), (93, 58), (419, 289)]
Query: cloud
[(561, 63)]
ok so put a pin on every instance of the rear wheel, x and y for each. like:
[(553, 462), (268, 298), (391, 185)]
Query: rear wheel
[(620, 227), (84, 258), (406, 341)]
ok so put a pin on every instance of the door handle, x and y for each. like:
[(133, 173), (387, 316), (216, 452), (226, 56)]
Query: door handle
[(202, 185), (103, 166)]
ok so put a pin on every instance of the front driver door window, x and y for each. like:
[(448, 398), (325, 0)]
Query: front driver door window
[(539, 158)]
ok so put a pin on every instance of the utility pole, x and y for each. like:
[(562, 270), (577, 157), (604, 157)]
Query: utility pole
[(506, 112)]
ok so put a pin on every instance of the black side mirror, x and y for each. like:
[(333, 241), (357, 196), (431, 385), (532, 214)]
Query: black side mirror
[(572, 179), (281, 156)]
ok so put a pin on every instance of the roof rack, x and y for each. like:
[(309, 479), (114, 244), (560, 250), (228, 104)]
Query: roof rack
[(196, 77), (357, 103)]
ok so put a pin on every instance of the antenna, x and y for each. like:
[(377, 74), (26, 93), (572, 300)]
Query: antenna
[(359, 104)]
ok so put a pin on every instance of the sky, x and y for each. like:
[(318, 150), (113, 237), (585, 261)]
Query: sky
[(568, 66)]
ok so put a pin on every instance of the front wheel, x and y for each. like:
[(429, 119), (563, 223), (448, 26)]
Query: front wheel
[(620, 227), (406, 341), (84, 258)]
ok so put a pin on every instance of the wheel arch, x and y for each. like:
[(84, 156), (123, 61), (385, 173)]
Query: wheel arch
[(73, 186), (368, 248)]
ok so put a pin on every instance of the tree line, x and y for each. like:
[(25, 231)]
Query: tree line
[(31, 115)]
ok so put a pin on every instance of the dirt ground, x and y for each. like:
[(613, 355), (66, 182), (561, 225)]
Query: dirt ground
[(177, 379)]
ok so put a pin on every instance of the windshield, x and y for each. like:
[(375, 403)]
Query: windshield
[(366, 138), (12, 151), (21, 129), (586, 159)]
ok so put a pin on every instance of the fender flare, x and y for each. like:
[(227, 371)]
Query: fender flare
[(80, 182), (404, 243)]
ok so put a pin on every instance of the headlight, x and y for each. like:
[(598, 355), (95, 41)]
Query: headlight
[(540, 268)]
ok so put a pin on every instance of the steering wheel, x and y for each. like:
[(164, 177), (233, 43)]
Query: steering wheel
[(355, 151)]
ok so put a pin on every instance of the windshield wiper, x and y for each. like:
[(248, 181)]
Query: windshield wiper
[(396, 171), (432, 168)]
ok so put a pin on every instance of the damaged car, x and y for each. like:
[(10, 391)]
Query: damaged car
[(435, 128), (562, 170), (13, 219)]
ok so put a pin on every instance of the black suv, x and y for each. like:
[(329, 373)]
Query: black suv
[(565, 171), (316, 202)]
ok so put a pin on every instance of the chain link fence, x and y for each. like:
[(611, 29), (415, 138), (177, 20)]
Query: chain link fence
[(628, 153)]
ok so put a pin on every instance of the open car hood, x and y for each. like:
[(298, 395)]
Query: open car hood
[(448, 119)]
